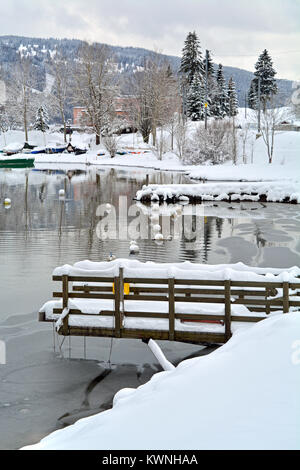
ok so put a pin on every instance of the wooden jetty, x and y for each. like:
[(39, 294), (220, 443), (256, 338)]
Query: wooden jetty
[(164, 308)]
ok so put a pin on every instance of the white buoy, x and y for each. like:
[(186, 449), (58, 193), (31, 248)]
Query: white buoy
[(156, 228), (7, 201), (134, 248), (62, 193), (159, 237)]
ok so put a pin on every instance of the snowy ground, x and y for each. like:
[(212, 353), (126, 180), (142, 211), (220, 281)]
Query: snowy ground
[(286, 162), (245, 395)]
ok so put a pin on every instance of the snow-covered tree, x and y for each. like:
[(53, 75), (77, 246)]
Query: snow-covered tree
[(191, 61), (4, 123), (252, 96), (60, 93), (265, 71), (20, 92), (95, 85), (220, 106), (41, 121), (232, 99), (195, 99), (212, 146)]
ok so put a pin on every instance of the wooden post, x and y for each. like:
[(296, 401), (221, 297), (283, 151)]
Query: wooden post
[(147, 180), (227, 311), (117, 307), (267, 301), (171, 297), (286, 293), (65, 299)]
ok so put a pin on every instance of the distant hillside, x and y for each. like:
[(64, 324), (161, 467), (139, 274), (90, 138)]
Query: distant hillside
[(128, 60)]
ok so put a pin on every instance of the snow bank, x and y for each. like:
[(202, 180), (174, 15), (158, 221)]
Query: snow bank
[(233, 191), (185, 270), (245, 395)]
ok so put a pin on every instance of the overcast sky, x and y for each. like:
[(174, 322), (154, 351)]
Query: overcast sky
[(236, 31)]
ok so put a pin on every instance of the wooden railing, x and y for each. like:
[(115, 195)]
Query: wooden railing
[(259, 296)]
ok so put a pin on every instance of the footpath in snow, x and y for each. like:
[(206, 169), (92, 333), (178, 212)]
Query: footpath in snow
[(245, 395)]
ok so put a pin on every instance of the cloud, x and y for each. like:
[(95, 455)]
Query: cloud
[(235, 31)]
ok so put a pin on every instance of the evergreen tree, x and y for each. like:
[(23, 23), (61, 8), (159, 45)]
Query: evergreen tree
[(195, 99), (191, 61), (41, 121), (265, 71), (220, 105), (252, 96), (232, 99)]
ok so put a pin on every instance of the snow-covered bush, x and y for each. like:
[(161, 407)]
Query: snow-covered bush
[(212, 146)]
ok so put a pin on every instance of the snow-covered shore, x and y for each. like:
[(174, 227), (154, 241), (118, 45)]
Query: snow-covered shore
[(245, 395), (285, 165), (259, 191)]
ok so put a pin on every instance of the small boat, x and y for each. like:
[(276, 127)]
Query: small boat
[(55, 148), (37, 150), (13, 148), (12, 161), (28, 148)]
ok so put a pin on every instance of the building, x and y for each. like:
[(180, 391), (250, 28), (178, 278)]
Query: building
[(122, 104)]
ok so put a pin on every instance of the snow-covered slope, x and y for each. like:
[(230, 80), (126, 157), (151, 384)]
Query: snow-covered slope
[(245, 395)]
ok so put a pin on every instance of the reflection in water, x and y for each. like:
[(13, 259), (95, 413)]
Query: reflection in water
[(41, 230)]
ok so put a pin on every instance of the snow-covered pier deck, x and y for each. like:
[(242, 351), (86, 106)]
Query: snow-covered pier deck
[(177, 302), (268, 191)]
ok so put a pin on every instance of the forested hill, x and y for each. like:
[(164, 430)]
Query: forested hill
[(128, 60)]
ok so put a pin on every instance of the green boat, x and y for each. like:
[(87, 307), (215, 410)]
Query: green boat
[(16, 162)]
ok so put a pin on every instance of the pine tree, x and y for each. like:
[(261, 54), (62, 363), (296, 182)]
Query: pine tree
[(195, 100), (191, 61), (41, 121), (220, 105), (265, 71), (252, 96), (232, 99)]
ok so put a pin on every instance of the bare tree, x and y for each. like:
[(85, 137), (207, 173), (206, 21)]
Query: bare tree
[(21, 92), (271, 118), (61, 88), (152, 89), (180, 134), (95, 86)]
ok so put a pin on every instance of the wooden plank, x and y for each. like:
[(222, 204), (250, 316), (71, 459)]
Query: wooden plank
[(146, 315), (117, 307), (139, 280), (227, 310), (85, 279), (171, 309), (196, 282), (65, 296), (93, 288), (286, 293), (256, 284), (84, 295), (146, 298)]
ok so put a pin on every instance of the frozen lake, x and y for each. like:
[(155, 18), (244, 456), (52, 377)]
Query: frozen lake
[(39, 232), (40, 391)]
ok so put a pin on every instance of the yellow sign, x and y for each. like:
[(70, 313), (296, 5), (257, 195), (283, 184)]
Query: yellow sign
[(205, 105), (126, 288)]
